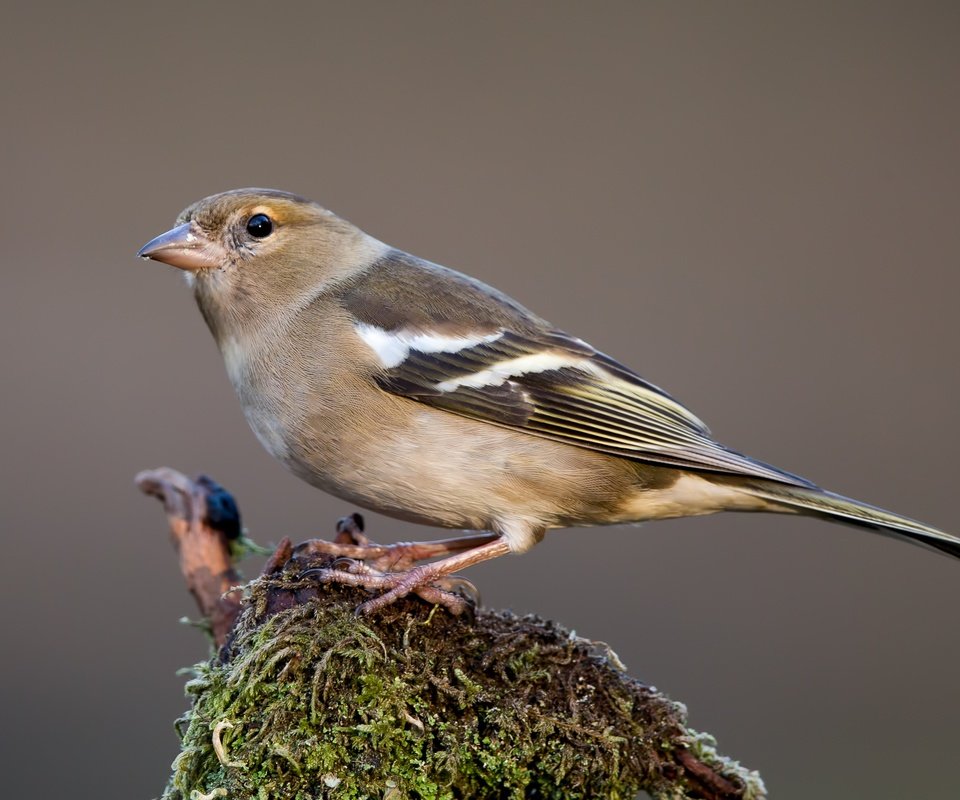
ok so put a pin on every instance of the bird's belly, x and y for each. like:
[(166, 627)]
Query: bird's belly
[(425, 480), (432, 467)]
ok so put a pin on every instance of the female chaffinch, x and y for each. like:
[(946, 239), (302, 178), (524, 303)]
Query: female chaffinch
[(424, 394)]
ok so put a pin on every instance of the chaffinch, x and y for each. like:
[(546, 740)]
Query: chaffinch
[(424, 394)]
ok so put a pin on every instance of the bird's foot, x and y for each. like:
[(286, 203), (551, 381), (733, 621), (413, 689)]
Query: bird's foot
[(392, 569), (454, 594), (351, 542)]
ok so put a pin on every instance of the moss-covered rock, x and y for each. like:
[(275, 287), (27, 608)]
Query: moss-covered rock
[(308, 701)]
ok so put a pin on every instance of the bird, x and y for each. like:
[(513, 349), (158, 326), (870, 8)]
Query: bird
[(422, 393)]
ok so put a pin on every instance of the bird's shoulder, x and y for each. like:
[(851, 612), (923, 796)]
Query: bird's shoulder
[(401, 291)]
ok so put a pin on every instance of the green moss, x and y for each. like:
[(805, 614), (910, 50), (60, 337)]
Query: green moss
[(308, 701)]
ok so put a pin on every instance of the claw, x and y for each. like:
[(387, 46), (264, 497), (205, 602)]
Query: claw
[(454, 584)]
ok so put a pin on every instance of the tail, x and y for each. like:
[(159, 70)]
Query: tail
[(827, 505)]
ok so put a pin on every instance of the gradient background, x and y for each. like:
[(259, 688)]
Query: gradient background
[(757, 207)]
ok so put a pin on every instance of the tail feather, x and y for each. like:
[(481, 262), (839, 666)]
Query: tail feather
[(821, 503)]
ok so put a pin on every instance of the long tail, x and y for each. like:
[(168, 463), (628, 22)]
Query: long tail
[(821, 503)]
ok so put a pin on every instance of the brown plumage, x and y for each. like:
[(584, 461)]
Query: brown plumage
[(424, 394)]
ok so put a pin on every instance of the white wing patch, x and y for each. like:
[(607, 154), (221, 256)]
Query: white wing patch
[(503, 371), (393, 348)]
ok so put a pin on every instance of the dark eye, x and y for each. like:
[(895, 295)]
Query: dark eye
[(259, 226)]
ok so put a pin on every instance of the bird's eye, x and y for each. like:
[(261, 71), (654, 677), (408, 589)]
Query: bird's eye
[(259, 226)]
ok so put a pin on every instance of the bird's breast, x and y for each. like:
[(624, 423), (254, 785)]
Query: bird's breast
[(266, 400), (235, 360)]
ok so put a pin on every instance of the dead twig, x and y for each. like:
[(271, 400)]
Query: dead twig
[(201, 527)]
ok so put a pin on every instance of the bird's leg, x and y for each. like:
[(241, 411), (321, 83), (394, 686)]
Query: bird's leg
[(400, 584), (394, 557), (403, 556)]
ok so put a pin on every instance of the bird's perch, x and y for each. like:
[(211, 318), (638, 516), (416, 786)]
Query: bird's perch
[(304, 699)]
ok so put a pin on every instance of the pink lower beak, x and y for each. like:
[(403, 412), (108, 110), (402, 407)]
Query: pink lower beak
[(184, 247)]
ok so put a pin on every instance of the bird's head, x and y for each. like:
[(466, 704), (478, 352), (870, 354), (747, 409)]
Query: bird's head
[(252, 253)]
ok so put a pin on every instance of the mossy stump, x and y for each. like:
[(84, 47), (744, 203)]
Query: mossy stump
[(306, 700)]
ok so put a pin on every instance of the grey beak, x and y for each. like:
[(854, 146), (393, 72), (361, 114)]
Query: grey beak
[(184, 247)]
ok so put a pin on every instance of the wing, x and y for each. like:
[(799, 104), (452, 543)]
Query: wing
[(452, 343)]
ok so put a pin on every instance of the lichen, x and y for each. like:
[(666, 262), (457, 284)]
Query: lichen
[(307, 701)]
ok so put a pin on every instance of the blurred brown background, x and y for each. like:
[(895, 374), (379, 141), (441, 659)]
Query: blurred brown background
[(756, 207)]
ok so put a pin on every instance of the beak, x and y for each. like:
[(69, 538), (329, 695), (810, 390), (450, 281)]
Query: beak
[(184, 247)]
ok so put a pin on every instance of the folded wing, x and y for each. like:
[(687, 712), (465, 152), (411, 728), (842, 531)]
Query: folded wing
[(552, 385)]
